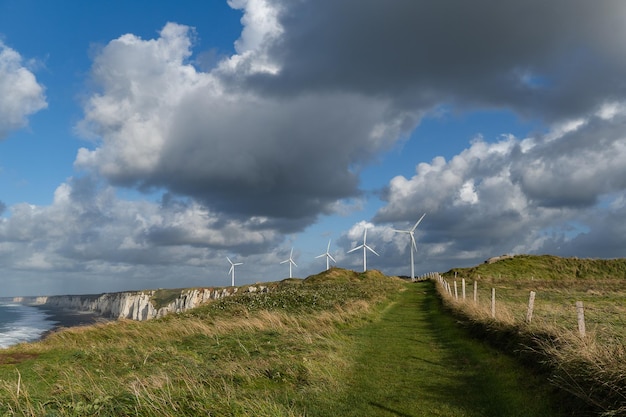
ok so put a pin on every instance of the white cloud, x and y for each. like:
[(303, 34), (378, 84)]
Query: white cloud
[(467, 193), (492, 198), (88, 229), (20, 93), (276, 135), (160, 123), (260, 29)]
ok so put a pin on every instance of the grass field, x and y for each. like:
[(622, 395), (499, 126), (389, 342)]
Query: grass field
[(339, 343), (592, 367)]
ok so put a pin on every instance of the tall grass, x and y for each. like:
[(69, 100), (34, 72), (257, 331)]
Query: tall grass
[(249, 354), (592, 368)]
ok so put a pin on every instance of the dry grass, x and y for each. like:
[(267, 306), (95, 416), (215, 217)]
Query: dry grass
[(593, 367), (241, 356)]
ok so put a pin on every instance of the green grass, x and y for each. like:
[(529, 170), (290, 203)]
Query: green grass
[(547, 267), (339, 343), (163, 297), (592, 368), (558, 283), (415, 361)]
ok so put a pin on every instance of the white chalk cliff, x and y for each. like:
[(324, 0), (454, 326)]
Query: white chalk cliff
[(135, 305)]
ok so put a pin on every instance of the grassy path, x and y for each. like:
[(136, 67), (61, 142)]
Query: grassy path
[(415, 361)]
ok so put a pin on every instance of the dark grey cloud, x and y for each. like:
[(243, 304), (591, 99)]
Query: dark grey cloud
[(579, 168), (239, 153), (543, 59), (319, 88), (602, 236), (268, 159)]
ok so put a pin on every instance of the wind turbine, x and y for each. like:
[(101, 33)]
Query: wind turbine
[(231, 271), (328, 256), (365, 249), (291, 262), (411, 232)]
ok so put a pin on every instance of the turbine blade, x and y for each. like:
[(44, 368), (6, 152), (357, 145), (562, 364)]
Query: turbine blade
[(328, 248), (319, 256), (230, 271), (401, 231), (413, 242), (365, 236), (285, 261), (375, 253), (353, 249), (294, 264), (331, 258), (231, 262), (418, 222), (238, 263)]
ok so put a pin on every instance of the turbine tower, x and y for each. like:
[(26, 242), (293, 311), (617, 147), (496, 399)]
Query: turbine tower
[(231, 271), (291, 262), (328, 256), (411, 232), (365, 249)]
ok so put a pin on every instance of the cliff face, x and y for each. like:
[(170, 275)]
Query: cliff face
[(137, 305)]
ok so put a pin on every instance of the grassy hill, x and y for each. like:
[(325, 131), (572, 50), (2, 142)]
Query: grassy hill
[(546, 267), (591, 366), (248, 354), (336, 343)]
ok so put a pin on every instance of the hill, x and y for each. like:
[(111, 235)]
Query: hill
[(336, 343), (545, 267), (577, 329)]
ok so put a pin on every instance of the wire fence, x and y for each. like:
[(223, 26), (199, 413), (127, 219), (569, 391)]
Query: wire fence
[(603, 315)]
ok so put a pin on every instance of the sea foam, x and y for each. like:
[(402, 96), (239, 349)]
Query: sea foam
[(21, 323)]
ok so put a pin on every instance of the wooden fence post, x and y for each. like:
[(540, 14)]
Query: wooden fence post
[(456, 293), (580, 312), (531, 306), (493, 303), (463, 288), (475, 292)]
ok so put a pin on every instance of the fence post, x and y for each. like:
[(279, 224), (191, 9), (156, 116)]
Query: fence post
[(463, 288), (456, 293), (493, 303), (531, 306), (580, 312)]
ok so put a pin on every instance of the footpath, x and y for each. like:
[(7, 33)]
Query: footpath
[(416, 361)]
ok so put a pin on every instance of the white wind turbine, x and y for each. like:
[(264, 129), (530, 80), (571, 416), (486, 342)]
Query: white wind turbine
[(365, 249), (231, 271), (411, 232), (328, 256), (291, 262)]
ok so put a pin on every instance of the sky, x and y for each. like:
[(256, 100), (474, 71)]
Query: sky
[(143, 142)]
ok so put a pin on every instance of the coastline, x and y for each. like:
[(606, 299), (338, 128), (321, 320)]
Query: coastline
[(64, 318)]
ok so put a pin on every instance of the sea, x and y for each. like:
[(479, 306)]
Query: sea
[(22, 323)]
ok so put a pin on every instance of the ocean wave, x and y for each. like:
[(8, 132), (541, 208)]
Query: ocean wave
[(20, 323)]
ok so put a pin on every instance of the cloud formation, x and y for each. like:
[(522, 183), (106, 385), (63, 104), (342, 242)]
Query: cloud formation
[(161, 124), (20, 93), (552, 60), (267, 140), (88, 228), (559, 193), (282, 128)]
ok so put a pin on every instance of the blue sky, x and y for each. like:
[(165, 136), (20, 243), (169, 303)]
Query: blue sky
[(143, 142)]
